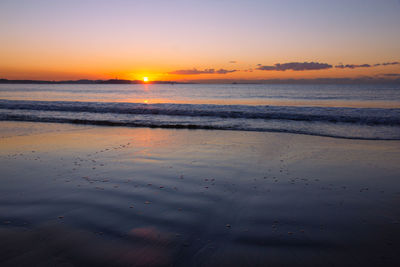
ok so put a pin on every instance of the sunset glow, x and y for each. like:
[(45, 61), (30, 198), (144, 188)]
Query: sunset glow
[(39, 41), (199, 133)]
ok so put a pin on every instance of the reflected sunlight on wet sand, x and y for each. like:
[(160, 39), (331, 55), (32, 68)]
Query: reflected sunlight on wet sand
[(84, 195)]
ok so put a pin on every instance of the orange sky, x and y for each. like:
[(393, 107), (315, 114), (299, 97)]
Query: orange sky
[(56, 40)]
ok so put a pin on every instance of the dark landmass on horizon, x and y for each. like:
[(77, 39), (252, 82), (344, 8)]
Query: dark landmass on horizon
[(365, 80), (86, 81)]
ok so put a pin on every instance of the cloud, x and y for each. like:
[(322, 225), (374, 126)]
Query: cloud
[(391, 74), (192, 71), (223, 71), (296, 66), (266, 68), (352, 66), (391, 63), (248, 70), (195, 71)]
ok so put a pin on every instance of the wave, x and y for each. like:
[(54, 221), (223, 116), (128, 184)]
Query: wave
[(366, 116), (350, 123), (171, 125)]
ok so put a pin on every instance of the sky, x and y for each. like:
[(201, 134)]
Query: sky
[(199, 40)]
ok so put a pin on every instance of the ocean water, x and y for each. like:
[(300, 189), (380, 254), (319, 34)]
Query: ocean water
[(342, 111)]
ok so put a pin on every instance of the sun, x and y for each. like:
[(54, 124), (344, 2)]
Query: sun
[(145, 79)]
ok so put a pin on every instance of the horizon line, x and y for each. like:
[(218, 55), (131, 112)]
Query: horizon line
[(342, 80)]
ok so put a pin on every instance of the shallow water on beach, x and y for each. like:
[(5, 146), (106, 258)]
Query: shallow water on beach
[(322, 95), (365, 111), (103, 196)]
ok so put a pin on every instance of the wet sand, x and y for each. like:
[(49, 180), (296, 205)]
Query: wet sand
[(102, 196)]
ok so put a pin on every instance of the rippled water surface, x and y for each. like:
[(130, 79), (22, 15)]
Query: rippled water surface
[(345, 111)]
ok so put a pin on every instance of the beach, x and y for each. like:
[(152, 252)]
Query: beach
[(199, 133), (80, 195)]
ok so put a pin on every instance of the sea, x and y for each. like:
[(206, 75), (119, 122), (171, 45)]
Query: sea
[(356, 111)]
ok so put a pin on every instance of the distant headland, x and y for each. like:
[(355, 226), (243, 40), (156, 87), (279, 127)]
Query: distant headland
[(363, 80), (86, 81)]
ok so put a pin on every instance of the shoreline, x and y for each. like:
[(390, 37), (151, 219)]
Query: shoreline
[(133, 125), (161, 197)]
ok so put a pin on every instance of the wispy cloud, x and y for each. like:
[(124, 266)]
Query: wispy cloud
[(296, 66), (248, 70), (192, 71), (391, 74), (352, 66), (223, 71), (195, 71), (391, 63)]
